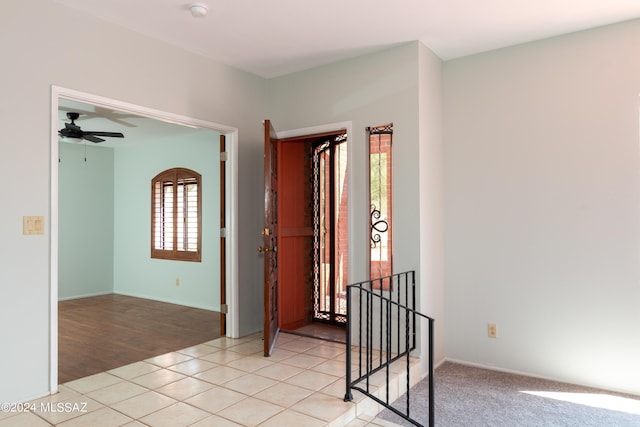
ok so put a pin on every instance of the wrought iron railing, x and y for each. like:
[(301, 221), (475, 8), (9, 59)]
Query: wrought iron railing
[(381, 329)]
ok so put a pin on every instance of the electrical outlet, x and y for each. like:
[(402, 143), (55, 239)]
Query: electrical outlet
[(177, 281), (492, 330)]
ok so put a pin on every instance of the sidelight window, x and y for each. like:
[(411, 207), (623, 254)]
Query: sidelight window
[(380, 201)]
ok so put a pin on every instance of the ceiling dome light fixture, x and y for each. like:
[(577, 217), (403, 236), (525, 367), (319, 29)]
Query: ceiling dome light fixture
[(199, 10)]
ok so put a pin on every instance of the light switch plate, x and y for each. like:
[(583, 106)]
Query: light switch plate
[(32, 225)]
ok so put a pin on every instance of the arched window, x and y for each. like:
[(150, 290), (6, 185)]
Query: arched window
[(176, 215)]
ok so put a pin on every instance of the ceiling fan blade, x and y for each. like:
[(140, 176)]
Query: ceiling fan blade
[(109, 134), (92, 138), (115, 116)]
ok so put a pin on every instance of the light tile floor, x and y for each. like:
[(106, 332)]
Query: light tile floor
[(223, 383)]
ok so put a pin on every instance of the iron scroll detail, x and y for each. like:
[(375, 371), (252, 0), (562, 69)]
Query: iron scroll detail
[(378, 226)]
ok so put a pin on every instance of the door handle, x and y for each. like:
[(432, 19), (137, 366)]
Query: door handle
[(265, 250)]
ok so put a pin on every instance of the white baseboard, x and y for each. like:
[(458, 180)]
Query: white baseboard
[(529, 374), (97, 294), (498, 369), (424, 375), (202, 307)]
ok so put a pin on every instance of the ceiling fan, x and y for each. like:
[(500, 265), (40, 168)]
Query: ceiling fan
[(73, 131), (114, 116)]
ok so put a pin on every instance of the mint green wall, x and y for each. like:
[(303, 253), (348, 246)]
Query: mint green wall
[(135, 273), (85, 245), (104, 222)]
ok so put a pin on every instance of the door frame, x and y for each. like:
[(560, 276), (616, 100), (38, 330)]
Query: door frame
[(231, 207), (330, 127)]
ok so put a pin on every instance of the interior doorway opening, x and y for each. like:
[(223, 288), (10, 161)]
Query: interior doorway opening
[(228, 281)]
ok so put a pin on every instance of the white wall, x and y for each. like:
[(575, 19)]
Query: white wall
[(85, 221), (98, 58), (399, 85), (541, 180), (368, 91), (431, 198), (542, 207)]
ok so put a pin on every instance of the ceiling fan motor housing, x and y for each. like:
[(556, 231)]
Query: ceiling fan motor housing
[(73, 116), (71, 130)]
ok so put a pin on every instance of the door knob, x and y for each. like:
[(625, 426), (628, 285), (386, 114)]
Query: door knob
[(261, 249)]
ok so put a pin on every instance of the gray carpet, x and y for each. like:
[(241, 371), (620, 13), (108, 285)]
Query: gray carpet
[(469, 396)]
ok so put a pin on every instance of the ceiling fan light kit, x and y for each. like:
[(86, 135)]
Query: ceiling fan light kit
[(199, 10), (71, 140)]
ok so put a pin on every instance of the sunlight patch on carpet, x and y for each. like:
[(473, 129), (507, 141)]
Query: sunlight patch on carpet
[(596, 400)]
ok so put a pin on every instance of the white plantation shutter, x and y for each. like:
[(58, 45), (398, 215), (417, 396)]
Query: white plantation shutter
[(187, 213), (176, 215)]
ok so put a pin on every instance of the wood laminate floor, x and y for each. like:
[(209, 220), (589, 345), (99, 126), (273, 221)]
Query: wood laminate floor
[(100, 333)]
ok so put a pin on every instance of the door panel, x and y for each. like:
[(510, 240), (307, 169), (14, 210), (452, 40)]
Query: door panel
[(270, 238), (296, 235)]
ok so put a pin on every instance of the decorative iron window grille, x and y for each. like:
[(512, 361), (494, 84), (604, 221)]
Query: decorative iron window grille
[(380, 199), (329, 223)]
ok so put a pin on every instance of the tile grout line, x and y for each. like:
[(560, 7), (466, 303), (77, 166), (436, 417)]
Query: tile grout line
[(304, 347)]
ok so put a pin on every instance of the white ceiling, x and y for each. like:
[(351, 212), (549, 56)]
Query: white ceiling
[(276, 37)]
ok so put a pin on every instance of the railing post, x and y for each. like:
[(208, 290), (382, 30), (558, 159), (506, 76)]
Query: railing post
[(413, 307), (407, 315), (408, 362), (388, 343), (359, 331), (399, 301), (381, 320), (369, 340), (347, 395), (431, 379)]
